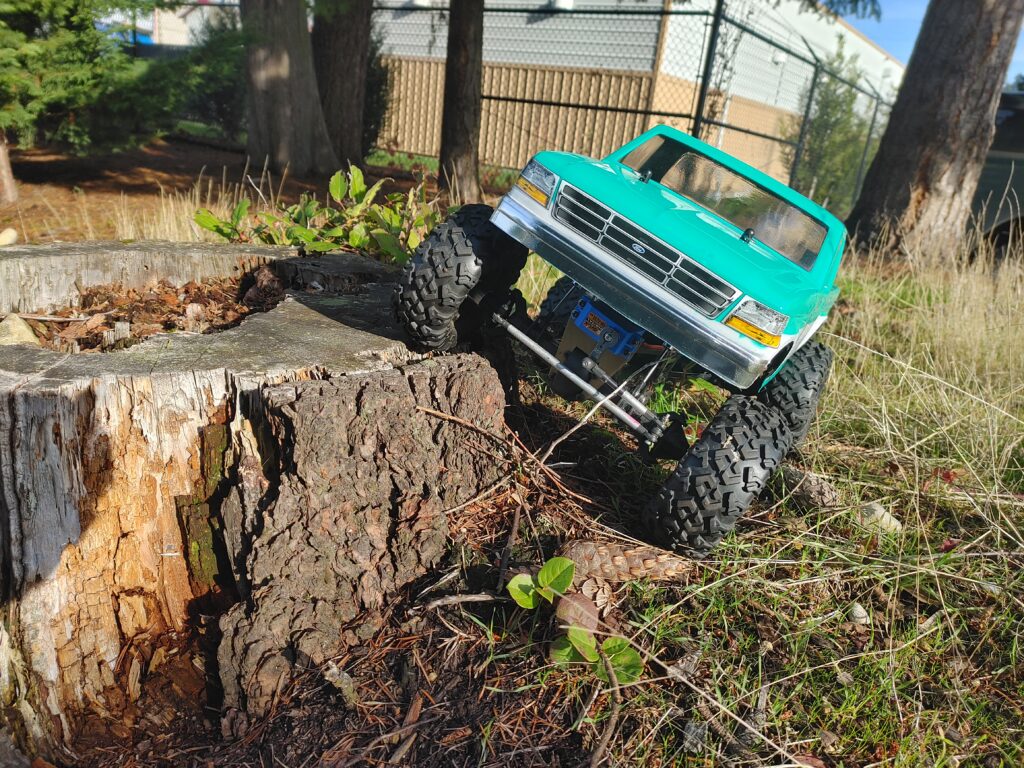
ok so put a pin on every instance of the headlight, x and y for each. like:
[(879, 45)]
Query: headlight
[(537, 181), (761, 323)]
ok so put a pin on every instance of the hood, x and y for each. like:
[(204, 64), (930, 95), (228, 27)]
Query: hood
[(754, 268)]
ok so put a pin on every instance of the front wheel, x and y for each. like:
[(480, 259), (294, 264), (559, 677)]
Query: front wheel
[(458, 275), (719, 477), (797, 388)]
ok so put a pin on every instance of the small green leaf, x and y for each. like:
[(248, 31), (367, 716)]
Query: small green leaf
[(239, 212), (625, 660), (390, 245), (301, 234), (564, 652), (358, 237), (207, 220), (547, 594), (557, 573), (338, 186), (523, 590), (583, 641), (357, 210), (356, 183)]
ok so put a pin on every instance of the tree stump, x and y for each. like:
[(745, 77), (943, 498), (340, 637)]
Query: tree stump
[(282, 463)]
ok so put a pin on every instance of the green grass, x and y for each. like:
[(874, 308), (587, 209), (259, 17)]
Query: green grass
[(925, 414)]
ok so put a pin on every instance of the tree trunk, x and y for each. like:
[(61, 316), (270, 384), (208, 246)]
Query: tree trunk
[(341, 47), (460, 120), (286, 122), (922, 181), (8, 187), (282, 462)]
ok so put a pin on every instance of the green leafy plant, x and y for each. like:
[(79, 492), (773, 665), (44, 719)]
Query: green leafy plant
[(352, 219), (578, 645), (553, 580)]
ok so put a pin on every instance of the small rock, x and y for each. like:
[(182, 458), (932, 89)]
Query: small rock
[(805, 492), (14, 330), (342, 680), (876, 517), (844, 677), (234, 724), (828, 740), (859, 615), (8, 236), (695, 737), (953, 734)]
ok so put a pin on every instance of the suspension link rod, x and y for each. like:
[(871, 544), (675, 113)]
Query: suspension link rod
[(588, 389)]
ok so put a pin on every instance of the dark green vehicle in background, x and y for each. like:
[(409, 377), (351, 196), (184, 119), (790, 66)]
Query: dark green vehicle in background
[(1000, 195), (677, 259)]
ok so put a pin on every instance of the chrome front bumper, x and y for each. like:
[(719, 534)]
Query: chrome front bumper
[(726, 353)]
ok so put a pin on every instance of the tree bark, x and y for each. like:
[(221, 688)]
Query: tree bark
[(357, 513), (8, 187), (286, 121), (922, 181), (460, 120), (341, 47)]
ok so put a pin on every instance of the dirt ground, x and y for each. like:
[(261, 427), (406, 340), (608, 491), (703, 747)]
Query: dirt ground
[(64, 197)]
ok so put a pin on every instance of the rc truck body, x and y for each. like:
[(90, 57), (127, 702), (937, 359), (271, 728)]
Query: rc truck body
[(676, 258)]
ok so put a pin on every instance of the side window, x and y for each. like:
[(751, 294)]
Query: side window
[(1009, 127)]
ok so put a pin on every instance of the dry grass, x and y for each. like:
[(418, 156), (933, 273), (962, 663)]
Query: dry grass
[(173, 216), (925, 414)]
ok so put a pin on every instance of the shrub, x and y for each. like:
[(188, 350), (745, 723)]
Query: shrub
[(216, 75)]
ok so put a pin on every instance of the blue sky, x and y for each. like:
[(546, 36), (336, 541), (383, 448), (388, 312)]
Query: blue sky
[(897, 30)]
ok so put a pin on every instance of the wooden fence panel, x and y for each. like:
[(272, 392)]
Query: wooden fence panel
[(512, 131)]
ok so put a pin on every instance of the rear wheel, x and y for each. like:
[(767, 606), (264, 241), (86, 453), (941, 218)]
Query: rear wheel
[(557, 307), (720, 476), (456, 278), (797, 388)]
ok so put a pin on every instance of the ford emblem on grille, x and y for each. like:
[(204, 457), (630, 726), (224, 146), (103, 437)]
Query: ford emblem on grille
[(639, 249)]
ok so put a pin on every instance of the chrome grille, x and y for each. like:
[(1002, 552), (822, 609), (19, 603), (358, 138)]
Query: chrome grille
[(680, 275)]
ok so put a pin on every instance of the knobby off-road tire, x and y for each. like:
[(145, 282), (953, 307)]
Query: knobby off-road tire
[(557, 307), (457, 276), (797, 388), (720, 476)]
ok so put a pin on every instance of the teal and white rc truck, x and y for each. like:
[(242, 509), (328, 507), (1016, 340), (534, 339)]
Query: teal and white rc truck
[(676, 257)]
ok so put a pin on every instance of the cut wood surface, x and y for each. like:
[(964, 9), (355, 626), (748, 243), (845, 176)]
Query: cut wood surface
[(136, 482)]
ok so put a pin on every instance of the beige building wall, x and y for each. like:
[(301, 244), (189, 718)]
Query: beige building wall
[(673, 94)]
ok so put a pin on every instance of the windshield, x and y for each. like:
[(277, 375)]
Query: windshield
[(779, 225)]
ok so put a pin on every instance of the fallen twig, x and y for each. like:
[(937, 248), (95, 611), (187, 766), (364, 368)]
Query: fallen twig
[(598, 755), (507, 551), (459, 599)]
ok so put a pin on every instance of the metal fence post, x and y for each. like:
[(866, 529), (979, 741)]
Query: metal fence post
[(867, 147), (804, 125), (709, 65)]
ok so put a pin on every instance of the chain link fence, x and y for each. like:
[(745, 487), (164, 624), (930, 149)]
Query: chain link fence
[(589, 79)]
